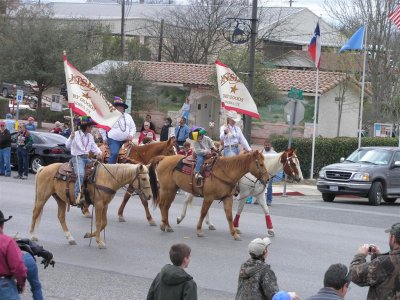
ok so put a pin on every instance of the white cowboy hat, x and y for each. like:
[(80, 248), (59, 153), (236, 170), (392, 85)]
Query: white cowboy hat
[(231, 114)]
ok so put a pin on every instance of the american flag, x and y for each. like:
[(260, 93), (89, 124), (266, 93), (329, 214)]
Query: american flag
[(395, 16)]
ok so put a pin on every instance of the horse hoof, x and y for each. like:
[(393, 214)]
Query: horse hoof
[(102, 245), (178, 220), (72, 242), (121, 219), (34, 238), (169, 229), (87, 235), (211, 227), (200, 234), (271, 232), (87, 215), (152, 223), (237, 237), (162, 227), (238, 231)]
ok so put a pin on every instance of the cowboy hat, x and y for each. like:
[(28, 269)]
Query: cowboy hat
[(119, 102), (231, 114), (2, 219)]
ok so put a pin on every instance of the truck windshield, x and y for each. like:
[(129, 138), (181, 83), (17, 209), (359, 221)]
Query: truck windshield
[(374, 156)]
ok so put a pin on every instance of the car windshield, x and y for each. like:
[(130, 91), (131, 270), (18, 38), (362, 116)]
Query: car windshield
[(372, 156)]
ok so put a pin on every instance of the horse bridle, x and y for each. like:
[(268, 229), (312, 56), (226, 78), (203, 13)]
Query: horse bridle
[(288, 163)]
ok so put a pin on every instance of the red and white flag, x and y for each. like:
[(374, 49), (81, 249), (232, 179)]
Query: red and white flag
[(395, 16), (86, 100), (233, 93), (315, 47)]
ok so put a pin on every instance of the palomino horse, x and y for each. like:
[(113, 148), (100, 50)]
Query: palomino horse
[(250, 186), (220, 185), (141, 154), (109, 178)]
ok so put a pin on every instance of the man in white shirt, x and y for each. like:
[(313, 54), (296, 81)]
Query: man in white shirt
[(81, 143), (231, 135), (123, 130)]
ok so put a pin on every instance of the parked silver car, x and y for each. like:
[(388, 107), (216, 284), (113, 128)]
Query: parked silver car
[(371, 172)]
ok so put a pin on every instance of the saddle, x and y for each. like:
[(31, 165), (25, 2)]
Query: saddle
[(187, 164), (123, 155), (66, 173)]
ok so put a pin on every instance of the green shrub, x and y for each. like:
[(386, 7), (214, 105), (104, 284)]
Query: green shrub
[(46, 114), (327, 150)]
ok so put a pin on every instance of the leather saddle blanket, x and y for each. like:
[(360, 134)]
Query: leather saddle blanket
[(66, 172), (186, 165)]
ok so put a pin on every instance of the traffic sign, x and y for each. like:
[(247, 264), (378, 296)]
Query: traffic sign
[(20, 96), (296, 94), (294, 109)]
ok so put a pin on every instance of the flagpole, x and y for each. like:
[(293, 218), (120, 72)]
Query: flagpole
[(314, 125), (362, 87)]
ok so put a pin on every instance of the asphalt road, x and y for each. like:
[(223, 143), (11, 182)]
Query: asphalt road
[(310, 235)]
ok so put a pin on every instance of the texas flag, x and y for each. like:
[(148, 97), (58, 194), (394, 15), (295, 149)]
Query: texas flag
[(86, 99), (315, 47)]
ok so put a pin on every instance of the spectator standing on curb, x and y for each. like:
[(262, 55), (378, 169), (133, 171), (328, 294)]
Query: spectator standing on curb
[(164, 134), (181, 132), (123, 130), (173, 282), (5, 150), (24, 146), (12, 269), (31, 124), (382, 273), (10, 123), (269, 151), (148, 119), (147, 132), (29, 250), (231, 135), (57, 128), (336, 284), (66, 130), (186, 109)]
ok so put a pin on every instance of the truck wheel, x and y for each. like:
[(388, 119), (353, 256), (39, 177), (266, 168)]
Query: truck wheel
[(389, 200), (328, 197), (375, 193)]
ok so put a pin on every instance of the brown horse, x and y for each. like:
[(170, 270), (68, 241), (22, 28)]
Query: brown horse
[(219, 186), (140, 154), (109, 178)]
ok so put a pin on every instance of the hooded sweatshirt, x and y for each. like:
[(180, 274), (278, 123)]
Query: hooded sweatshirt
[(172, 283), (256, 281)]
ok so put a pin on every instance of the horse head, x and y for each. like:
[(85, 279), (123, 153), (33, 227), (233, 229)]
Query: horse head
[(258, 168), (141, 182), (170, 147), (291, 165)]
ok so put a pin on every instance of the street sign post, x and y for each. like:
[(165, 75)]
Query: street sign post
[(20, 98), (129, 98)]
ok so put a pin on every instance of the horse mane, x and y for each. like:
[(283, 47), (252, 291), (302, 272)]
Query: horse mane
[(235, 162), (119, 173)]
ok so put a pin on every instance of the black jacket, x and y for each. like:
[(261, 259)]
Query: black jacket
[(5, 139)]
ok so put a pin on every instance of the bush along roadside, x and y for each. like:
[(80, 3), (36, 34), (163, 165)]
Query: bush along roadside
[(327, 150)]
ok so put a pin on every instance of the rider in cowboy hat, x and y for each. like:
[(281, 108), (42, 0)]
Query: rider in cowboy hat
[(231, 135), (12, 269), (123, 130)]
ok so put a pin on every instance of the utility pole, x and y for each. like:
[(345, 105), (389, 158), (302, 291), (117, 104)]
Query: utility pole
[(122, 29), (291, 2), (252, 53), (161, 40)]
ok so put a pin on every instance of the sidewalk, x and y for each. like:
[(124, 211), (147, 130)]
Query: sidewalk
[(305, 188)]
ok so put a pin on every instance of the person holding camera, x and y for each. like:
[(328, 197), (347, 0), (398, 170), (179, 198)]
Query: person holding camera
[(382, 273), (336, 283)]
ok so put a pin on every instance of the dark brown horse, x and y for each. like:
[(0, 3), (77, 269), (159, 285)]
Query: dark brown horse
[(219, 186), (142, 154)]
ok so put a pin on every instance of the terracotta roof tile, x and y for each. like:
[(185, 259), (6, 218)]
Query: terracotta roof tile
[(197, 74)]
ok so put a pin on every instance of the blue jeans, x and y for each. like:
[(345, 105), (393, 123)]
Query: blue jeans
[(114, 146), (79, 169), (33, 276), (23, 161), (199, 163), (5, 155), (231, 150), (268, 194), (8, 289)]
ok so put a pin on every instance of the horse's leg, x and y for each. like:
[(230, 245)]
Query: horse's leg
[(62, 207), (228, 213), (244, 194), (166, 198), (146, 208), (268, 221), (204, 209), (100, 210), (127, 196), (188, 199), (208, 221), (85, 211), (37, 214)]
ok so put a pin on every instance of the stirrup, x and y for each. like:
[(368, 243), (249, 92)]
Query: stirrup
[(198, 176)]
